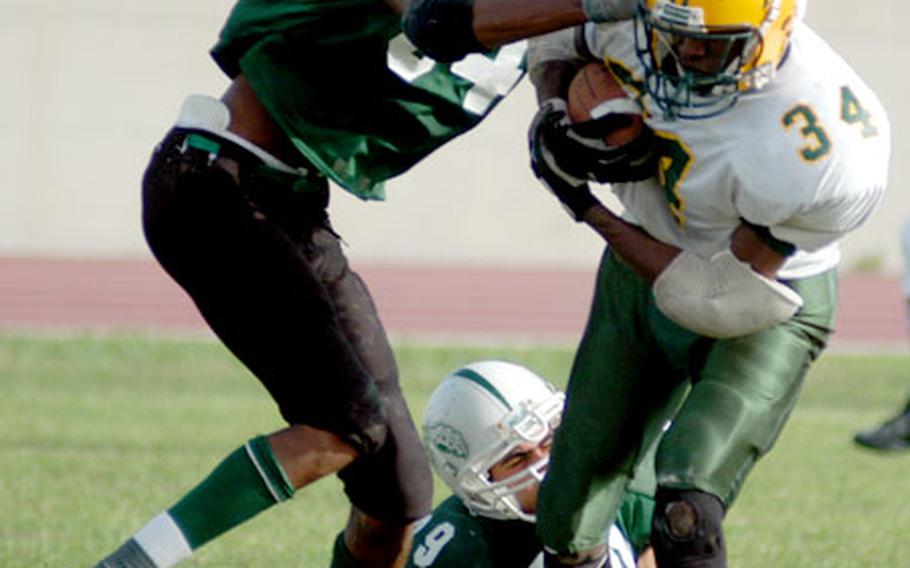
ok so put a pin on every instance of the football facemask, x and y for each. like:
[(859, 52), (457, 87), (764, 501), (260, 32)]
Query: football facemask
[(700, 55)]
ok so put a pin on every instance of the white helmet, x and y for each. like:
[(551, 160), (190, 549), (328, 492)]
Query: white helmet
[(474, 418)]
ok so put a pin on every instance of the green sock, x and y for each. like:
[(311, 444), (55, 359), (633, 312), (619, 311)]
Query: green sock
[(247, 482)]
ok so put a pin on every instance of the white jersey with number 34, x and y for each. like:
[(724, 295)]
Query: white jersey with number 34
[(806, 156)]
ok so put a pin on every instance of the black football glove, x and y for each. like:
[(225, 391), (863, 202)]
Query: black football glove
[(572, 191), (579, 149), (633, 161)]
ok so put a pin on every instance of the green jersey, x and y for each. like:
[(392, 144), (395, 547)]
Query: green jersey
[(351, 92), (452, 537)]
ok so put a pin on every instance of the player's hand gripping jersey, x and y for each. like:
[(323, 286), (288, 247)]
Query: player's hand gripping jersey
[(349, 89), (806, 156)]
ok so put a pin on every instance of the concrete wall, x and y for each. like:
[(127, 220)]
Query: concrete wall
[(90, 87)]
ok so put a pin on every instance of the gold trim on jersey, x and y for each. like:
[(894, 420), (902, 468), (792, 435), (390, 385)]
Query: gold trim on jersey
[(673, 165), (626, 77)]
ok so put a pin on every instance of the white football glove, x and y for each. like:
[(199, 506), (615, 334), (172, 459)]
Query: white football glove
[(609, 10)]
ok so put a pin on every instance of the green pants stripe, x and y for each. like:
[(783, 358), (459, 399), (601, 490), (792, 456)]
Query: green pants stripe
[(635, 369)]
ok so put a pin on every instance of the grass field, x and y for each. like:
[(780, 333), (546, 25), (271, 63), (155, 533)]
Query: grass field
[(98, 434)]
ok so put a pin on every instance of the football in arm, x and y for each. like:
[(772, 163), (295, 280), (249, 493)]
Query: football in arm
[(596, 95)]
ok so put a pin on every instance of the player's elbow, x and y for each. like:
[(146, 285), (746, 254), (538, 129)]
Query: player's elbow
[(442, 29)]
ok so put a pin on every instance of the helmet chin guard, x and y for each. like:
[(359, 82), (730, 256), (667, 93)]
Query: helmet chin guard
[(475, 418)]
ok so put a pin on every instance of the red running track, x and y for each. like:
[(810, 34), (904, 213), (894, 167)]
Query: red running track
[(417, 303)]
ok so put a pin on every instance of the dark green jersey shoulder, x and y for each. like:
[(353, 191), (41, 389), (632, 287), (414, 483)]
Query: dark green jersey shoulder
[(352, 93)]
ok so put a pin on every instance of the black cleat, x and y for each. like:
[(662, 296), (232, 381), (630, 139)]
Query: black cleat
[(892, 436)]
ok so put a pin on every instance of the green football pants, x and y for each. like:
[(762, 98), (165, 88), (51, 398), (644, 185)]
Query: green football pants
[(635, 369)]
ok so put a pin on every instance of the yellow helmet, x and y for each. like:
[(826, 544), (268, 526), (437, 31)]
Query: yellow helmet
[(699, 55)]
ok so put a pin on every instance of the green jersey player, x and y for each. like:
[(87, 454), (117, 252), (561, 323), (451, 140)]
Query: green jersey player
[(235, 210), (488, 429), (720, 279)]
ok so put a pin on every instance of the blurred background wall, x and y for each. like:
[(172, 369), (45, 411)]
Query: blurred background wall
[(90, 87)]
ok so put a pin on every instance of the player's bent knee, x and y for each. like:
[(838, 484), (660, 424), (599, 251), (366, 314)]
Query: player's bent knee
[(403, 474), (687, 530), (369, 439)]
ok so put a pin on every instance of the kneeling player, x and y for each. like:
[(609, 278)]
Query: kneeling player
[(487, 429)]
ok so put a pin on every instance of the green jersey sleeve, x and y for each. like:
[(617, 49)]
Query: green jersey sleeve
[(351, 92)]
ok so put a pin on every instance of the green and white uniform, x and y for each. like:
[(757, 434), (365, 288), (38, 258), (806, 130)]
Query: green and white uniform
[(452, 537), (805, 157), (351, 92)]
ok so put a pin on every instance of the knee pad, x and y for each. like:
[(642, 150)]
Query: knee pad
[(369, 439), (687, 530), (394, 485)]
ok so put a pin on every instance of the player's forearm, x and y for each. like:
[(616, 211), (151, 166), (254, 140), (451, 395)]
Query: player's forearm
[(448, 30), (497, 22), (646, 255), (748, 246)]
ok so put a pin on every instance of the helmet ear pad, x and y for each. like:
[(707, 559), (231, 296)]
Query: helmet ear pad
[(476, 416)]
